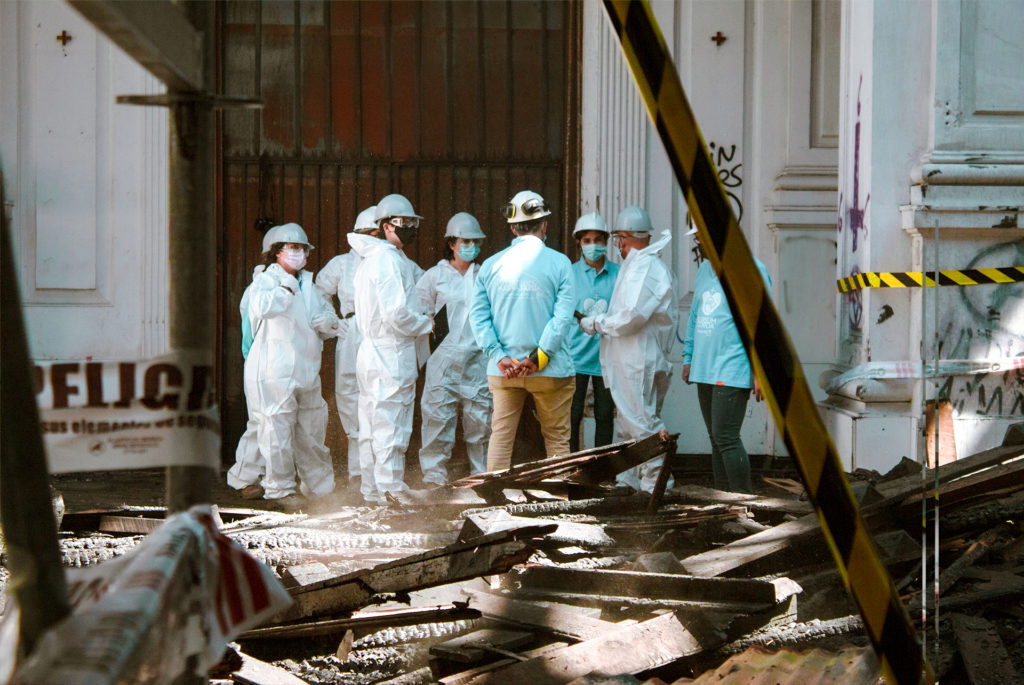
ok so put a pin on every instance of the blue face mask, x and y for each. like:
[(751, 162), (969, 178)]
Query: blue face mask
[(595, 252), (469, 252)]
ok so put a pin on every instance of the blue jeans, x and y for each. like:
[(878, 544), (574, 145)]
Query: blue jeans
[(723, 408)]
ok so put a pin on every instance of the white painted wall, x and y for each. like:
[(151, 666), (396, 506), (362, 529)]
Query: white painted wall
[(767, 101), (87, 183), (933, 142)]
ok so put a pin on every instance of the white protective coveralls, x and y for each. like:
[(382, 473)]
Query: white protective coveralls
[(282, 380), (249, 466), (389, 319), (637, 333), (338, 278), (456, 376)]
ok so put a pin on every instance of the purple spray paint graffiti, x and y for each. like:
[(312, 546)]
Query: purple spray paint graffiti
[(855, 213)]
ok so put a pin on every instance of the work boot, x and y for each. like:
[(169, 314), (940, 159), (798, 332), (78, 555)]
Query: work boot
[(254, 491), (291, 504)]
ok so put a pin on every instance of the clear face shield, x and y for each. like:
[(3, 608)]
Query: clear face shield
[(695, 249)]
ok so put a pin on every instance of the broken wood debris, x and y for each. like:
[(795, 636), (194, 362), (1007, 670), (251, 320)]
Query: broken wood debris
[(486, 555), (591, 466), (548, 588)]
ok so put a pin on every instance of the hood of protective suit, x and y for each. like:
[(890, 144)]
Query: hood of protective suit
[(659, 241), (366, 245)]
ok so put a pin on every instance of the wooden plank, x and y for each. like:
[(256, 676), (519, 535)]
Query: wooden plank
[(1004, 478), (587, 466), (983, 653), (566, 533), (136, 525), (653, 585), (559, 619), (908, 485), (157, 35), (364, 620), (784, 536), (697, 493), (472, 648), (628, 650), (715, 562), (466, 676), (256, 672), (463, 560)]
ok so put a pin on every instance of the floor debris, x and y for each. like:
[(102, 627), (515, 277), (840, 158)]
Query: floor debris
[(542, 574)]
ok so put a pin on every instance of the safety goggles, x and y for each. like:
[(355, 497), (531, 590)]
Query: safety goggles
[(404, 222), (530, 208)]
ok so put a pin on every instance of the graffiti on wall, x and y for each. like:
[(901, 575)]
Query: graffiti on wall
[(729, 174), (987, 322), (851, 222), (851, 216)]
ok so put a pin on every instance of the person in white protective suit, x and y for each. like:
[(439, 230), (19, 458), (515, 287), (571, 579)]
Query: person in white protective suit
[(389, 319), (337, 278), (289, 319), (457, 369), (636, 336), (246, 474)]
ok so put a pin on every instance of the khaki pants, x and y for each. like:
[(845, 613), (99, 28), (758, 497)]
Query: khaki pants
[(553, 399)]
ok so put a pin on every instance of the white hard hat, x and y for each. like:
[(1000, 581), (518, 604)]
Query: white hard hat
[(393, 205), (526, 205), (365, 220), (285, 233), (590, 222), (634, 219), (464, 225)]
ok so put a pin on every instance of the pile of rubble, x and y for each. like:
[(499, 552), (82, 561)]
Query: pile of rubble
[(541, 574)]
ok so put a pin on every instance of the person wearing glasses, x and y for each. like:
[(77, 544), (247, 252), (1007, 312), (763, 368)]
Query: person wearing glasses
[(521, 315), (289, 320), (456, 371), (337, 279), (636, 336), (388, 316), (595, 280)]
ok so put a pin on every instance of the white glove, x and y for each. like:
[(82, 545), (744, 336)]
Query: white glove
[(588, 325), (594, 307), (290, 282), (326, 326)]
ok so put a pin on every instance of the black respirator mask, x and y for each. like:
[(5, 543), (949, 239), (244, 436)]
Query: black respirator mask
[(406, 228)]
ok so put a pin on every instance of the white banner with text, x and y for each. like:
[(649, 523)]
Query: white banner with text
[(105, 415)]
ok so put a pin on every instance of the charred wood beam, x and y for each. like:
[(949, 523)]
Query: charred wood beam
[(461, 561), (655, 586), (365, 620), (628, 650), (557, 619)]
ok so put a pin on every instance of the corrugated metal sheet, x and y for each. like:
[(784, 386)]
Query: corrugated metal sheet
[(757, 665), (457, 105)]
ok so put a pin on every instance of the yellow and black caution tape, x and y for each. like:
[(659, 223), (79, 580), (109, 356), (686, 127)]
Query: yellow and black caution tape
[(765, 337), (917, 279)]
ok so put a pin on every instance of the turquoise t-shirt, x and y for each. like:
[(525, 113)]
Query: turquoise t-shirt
[(712, 347), (593, 293), (524, 300)]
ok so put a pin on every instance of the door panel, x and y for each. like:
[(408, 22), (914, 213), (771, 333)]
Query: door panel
[(456, 105)]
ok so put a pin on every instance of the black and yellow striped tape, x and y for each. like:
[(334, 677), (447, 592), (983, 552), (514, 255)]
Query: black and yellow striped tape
[(764, 336), (917, 279)]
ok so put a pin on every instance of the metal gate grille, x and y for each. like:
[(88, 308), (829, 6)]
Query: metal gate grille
[(456, 105)]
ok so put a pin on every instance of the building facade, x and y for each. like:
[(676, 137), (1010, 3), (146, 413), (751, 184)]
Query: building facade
[(852, 136)]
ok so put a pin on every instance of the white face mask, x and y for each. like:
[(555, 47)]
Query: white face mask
[(296, 259)]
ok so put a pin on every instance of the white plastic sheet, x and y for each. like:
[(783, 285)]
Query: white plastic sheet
[(168, 608)]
